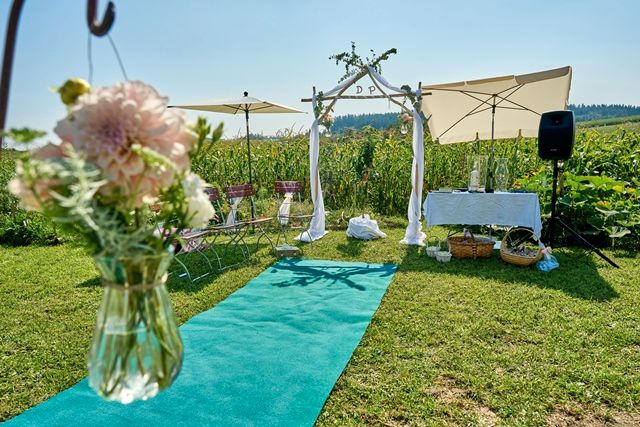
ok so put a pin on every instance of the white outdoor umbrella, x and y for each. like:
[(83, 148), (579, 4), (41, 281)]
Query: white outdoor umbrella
[(494, 108), (246, 105)]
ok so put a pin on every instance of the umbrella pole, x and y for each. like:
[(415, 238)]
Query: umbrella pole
[(253, 206), (246, 115), (489, 188)]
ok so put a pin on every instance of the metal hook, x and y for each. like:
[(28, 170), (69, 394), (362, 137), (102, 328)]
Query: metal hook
[(97, 28)]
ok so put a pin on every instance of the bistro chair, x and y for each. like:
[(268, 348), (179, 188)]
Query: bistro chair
[(194, 243), (290, 214), (236, 194)]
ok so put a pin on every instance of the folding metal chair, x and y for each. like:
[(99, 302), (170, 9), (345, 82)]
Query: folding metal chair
[(189, 244), (236, 194), (195, 241), (286, 219), (234, 233)]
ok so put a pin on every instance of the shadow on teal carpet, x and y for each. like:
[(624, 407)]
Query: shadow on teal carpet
[(268, 355)]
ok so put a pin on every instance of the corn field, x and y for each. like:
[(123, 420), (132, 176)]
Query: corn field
[(372, 168), (370, 171)]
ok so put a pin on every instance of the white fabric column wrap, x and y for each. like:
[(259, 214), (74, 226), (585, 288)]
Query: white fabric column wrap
[(317, 227), (285, 209), (231, 219), (413, 234)]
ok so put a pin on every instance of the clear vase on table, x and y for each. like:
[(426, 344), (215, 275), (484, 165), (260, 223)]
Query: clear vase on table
[(501, 175), (477, 175)]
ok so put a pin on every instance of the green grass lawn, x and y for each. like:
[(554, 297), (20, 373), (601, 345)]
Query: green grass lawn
[(464, 343)]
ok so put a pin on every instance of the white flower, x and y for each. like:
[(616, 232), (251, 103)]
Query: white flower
[(199, 208)]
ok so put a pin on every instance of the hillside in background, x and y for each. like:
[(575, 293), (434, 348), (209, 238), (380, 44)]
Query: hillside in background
[(586, 113), (583, 113)]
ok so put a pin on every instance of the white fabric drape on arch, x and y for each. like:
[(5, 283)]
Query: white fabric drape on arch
[(317, 227), (413, 233)]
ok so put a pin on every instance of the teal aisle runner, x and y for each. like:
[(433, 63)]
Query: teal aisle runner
[(268, 355)]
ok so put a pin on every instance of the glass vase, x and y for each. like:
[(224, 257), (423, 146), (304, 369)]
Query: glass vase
[(501, 174), (136, 350), (477, 174)]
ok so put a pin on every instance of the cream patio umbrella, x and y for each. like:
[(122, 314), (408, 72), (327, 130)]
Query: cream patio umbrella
[(246, 105), (494, 108)]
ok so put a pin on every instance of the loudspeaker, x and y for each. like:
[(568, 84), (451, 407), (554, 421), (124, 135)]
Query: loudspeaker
[(556, 135)]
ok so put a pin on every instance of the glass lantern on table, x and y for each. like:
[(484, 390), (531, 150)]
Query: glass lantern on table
[(501, 174), (477, 174)]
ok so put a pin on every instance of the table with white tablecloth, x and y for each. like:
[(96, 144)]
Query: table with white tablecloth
[(505, 209)]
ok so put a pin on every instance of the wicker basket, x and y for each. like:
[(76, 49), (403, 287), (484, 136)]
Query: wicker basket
[(521, 260), (468, 246)]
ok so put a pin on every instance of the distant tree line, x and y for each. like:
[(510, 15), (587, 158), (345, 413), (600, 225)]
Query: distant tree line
[(358, 121), (385, 120), (586, 113)]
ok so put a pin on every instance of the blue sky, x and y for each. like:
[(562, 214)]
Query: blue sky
[(199, 50)]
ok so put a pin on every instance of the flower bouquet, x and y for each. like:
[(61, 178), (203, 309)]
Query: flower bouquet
[(123, 150)]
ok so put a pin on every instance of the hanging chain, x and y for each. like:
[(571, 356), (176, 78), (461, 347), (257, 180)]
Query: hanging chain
[(90, 57), (115, 50)]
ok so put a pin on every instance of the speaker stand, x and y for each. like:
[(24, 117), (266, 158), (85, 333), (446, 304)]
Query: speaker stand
[(555, 220)]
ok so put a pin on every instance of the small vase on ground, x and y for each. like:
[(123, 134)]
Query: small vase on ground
[(136, 350)]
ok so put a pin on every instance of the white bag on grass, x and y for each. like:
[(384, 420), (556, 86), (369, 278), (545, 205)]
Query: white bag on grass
[(365, 228)]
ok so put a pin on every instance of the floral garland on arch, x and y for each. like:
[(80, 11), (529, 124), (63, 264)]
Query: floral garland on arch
[(353, 64), (122, 150)]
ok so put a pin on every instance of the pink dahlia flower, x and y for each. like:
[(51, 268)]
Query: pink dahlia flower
[(106, 123)]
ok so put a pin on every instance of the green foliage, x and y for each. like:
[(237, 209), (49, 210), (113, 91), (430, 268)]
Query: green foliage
[(587, 116), (598, 189), (600, 204), (202, 128), (358, 121), (391, 175), (27, 228), (610, 121), (23, 135), (602, 111), (354, 63), (370, 170), (616, 154), (8, 202), (18, 227)]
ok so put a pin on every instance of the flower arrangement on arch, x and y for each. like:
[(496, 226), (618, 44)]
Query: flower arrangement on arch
[(122, 150), (406, 118)]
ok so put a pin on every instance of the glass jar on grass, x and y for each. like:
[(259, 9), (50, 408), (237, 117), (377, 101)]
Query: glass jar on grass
[(136, 350)]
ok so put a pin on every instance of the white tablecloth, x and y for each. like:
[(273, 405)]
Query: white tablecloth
[(510, 209)]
